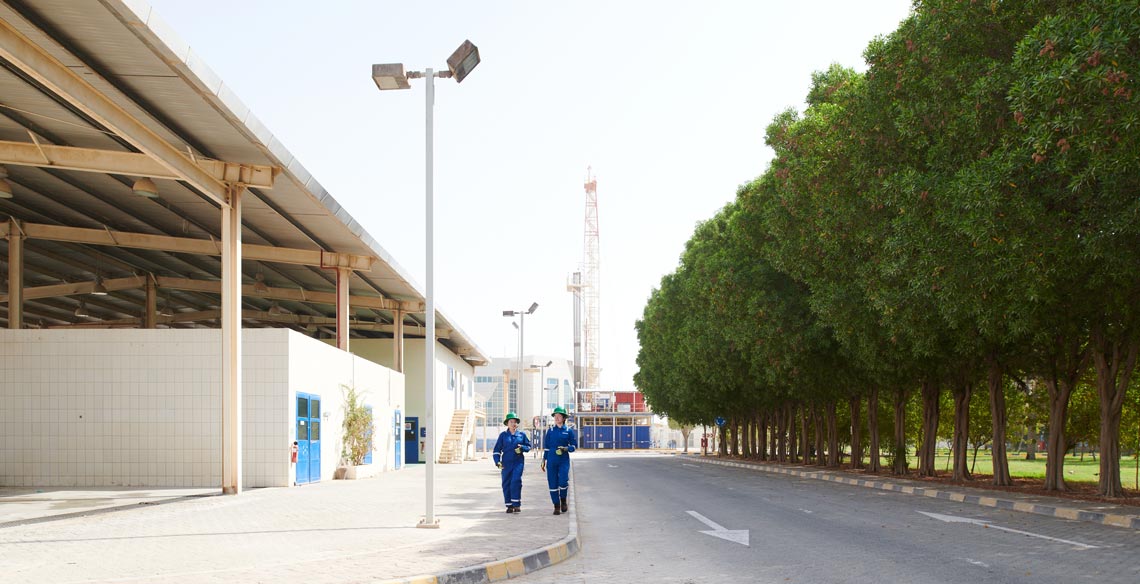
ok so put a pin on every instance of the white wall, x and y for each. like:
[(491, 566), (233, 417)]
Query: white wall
[(318, 368), (139, 407), (446, 400)]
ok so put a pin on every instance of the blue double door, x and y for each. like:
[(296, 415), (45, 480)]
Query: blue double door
[(308, 438)]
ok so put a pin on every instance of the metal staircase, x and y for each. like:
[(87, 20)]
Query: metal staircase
[(453, 447)]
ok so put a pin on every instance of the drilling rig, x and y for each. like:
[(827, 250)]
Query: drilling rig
[(585, 284)]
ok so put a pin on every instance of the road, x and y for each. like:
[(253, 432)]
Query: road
[(641, 518)]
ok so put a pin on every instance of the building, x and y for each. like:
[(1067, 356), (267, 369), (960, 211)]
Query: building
[(544, 387), (613, 420), (183, 299)]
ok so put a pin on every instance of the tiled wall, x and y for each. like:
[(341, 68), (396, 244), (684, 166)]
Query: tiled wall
[(142, 407)]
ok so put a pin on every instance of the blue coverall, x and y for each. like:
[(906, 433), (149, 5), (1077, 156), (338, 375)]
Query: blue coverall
[(558, 466), (512, 462)]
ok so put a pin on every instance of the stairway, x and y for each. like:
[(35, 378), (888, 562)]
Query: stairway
[(453, 443)]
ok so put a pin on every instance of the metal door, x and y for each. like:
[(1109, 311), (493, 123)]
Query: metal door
[(308, 430), (314, 438), (625, 436), (398, 435), (302, 438), (641, 435), (587, 438), (604, 436), (411, 440)]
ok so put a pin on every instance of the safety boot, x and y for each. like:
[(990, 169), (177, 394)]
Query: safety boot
[(557, 510), (565, 507)]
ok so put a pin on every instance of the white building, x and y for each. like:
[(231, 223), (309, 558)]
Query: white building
[(182, 300), (543, 388)]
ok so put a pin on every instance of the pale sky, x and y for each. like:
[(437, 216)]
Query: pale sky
[(667, 101)]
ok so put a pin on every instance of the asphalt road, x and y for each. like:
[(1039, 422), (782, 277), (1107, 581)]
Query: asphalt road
[(638, 520)]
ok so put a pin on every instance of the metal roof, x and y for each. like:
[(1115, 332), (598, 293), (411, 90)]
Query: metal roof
[(129, 55)]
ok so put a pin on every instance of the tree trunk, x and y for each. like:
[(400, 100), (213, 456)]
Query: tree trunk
[(805, 434), (1115, 361), (930, 394), (1031, 448), (998, 416), (962, 391), (722, 432), (762, 436), (779, 440), (685, 431), (898, 461), (790, 427), (855, 403), (745, 441), (874, 463), (1059, 392), (808, 439), (832, 437), (817, 423)]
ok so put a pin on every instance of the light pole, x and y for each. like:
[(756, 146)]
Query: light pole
[(522, 328), (392, 76), (542, 378)]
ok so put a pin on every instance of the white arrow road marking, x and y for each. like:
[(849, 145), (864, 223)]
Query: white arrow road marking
[(740, 536), (977, 563), (953, 519), (612, 465), (687, 464)]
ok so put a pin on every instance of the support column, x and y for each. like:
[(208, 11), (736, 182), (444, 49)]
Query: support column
[(343, 275), (231, 343), (398, 340), (15, 275), (149, 313)]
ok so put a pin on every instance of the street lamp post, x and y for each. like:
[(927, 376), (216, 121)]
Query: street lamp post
[(392, 76), (542, 378), (522, 328)]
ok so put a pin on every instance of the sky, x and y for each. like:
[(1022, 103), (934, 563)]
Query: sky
[(666, 102)]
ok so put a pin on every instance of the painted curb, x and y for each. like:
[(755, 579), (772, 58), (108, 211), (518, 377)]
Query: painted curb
[(512, 567), (1125, 521)]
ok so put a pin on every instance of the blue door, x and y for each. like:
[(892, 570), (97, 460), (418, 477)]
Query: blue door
[(308, 438), (398, 428), (625, 436), (604, 436), (411, 440), (641, 435), (587, 438)]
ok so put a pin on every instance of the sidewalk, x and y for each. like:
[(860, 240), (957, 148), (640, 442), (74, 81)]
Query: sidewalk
[(333, 531), (1073, 509)]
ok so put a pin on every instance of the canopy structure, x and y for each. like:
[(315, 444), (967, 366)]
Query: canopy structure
[(123, 153)]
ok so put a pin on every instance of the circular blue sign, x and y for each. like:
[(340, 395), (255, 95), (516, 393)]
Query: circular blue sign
[(719, 421)]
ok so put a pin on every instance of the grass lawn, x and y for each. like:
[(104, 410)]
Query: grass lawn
[(1076, 470)]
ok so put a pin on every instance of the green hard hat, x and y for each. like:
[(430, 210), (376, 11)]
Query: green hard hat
[(560, 410), (511, 416)]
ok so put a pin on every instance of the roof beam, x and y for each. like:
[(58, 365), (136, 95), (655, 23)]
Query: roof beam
[(291, 294), (38, 64), (128, 163), (263, 253)]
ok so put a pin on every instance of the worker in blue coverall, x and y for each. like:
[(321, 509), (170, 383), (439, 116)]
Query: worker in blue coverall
[(509, 456), (558, 442)]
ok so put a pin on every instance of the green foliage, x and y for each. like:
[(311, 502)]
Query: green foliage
[(969, 200), (358, 426)]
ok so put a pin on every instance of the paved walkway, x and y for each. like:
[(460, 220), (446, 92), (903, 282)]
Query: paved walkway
[(334, 531), (1073, 509)]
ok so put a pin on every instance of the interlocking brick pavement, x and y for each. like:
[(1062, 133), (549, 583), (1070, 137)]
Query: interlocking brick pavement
[(333, 531)]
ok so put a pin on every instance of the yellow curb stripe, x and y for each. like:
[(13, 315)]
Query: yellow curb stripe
[(908, 490), (1118, 520), (959, 497), (987, 501), (497, 571), (1023, 507), (1067, 513)]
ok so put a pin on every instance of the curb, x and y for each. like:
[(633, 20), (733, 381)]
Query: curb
[(1125, 521), (514, 566)]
